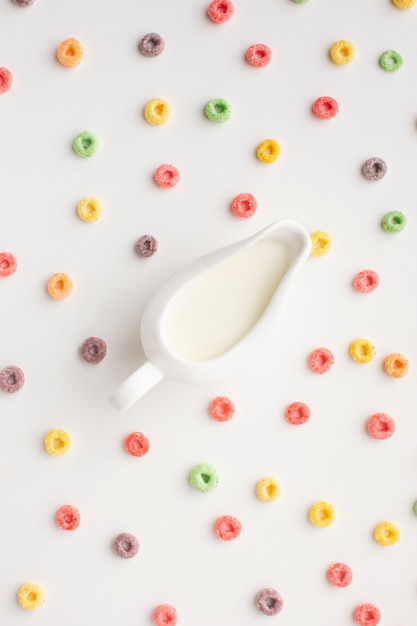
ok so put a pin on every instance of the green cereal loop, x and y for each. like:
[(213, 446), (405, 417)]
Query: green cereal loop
[(85, 144), (300, 1), (415, 508), (218, 110), (204, 477), (391, 61), (394, 222)]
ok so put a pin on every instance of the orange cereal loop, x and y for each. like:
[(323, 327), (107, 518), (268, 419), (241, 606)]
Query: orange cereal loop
[(59, 286), (396, 365), (70, 52)]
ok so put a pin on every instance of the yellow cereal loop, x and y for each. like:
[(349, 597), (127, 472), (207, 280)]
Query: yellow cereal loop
[(321, 243), (31, 596), (89, 209), (157, 111), (322, 514), (362, 350), (404, 4), (268, 489), (268, 151), (342, 52), (57, 442), (386, 534)]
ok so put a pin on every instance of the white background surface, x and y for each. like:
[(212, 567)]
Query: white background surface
[(317, 181)]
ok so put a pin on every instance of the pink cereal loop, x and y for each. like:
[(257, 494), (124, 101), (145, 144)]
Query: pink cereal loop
[(167, 176), (165, 615), (258, 55), (367, 615), (325, 107), (297, 413), (220, 11), (340, 575), (6, 79), (320, 360), (366, 281), (244, 205), (381, 426), (8, 264)]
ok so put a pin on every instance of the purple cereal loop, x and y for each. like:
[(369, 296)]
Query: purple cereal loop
[(374, 169), (152, 45), (126, 545), (23, 3), (12, 379), (146, 245), (269, 601), (93, 350)]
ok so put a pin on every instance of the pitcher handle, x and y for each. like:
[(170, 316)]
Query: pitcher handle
[(134, 387)]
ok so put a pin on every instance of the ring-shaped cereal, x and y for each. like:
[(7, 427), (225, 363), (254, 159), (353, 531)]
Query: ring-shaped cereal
[(269, 601), (258, 55), (321, 242), (70, 52), (325, 107), (24, 3), (220, 11), (60, 285), (8, 264), (366, 281), (68, 517), (31, 596), (57, 442), (85, 144), (222, 409), (391, 61), (342, 52), (320, 360), (167, 176), (146, 245), (152, 45), (218, 110), (381, 426), (93, 350), (244, 205), (6, 79), (374, 169), (394, 222), (204, 477), (268, 489), (386, 534), (268, 151), (12, 379), (404, 4), (297, 413), (322, 514), (157, 111), (300, 1), (136, 444), (396, 365), (126, 545), (367, 615), (415, 507), (362, 350), (227, 527), (89, 209), (165, 615), (340, 575)]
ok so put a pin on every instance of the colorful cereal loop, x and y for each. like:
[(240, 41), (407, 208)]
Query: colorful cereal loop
[(126, 545), (165, 615), (386, 534), (24, 3), (70, 52), (394, 222), (322, 514), (57, 442), (167, 176), (321, 243), (218, 110), (8, 264), (227, 527), (342, 52), (404, 4), (157, 111), (258, 55), (300, 1), (391, 61), (220, 11), (12, 379), (367, 615), (244, 205), (93, 350), (136, 444), (325, 108), (152, 45), (340, 575), (268, 151), (89, 209), (366, 281), (85, 144), (396, 365), (6, 79), (146, 246), (59, 286), (320, 360), (269, 601), (222, 409), (362, 350), (204, 477), (381, 426), (68, 517), (374, 169), (268, 489), (31, 596), (297, 413)]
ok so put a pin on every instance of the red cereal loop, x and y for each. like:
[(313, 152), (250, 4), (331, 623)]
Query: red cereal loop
[(227, 527), (167, 176), (366, 281), (165, 615), (222, 409), (298, 413), (220, 11), (258, 55), (367, 615), (6, 79), (340, 575), (136, 444), (325, 108), (244, 205), (320, 360), (68, 517), (8, 264), (381, 426)]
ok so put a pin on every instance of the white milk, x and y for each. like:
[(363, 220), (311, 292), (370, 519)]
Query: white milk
[(215, 310)]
